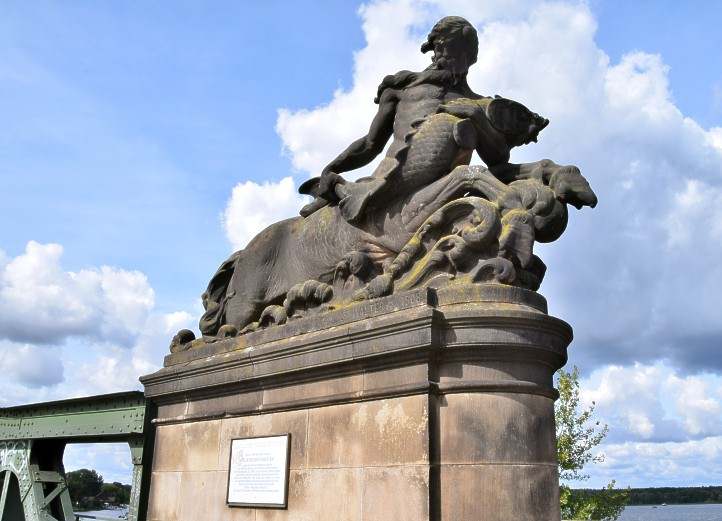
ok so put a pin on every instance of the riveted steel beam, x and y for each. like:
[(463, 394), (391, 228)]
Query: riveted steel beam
[(39, 432), (94, 418)]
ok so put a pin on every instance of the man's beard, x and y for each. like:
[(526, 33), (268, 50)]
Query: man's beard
[(448, 72)]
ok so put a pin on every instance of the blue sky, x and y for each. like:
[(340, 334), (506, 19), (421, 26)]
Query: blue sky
[(147, 140), (142, 116)]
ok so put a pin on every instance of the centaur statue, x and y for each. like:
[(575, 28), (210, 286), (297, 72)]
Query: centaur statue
[(423, 218)]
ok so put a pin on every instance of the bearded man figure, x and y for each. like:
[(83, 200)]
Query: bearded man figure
[(406, 98), (352, 231), (403, 98)]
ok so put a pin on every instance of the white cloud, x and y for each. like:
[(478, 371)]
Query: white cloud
[(698, 203), (254, 206), (29, 365), (645, 259), (715, 137), (655, 402), (65, 334), (661, 424), (42, 303), (100, 334), (114, 369), (638, 464), (640, 83), (85, 367), (698, 403)]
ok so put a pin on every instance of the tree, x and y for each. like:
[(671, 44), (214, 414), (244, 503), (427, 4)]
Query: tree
[(577, 435), (116, 493), (83, 484)]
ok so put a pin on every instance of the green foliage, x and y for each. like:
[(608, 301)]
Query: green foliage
[(577, 435), (675, 495), (83, 484), (116, 493), (669, 495), (88, 492), (607, 503)]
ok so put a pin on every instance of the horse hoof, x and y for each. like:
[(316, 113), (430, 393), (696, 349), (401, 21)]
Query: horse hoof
[(378, 287)]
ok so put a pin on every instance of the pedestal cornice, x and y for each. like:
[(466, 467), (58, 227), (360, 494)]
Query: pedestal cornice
[(426, 341)]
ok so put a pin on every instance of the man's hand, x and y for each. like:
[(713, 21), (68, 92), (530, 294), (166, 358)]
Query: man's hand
[(327, 183), (322, 189)]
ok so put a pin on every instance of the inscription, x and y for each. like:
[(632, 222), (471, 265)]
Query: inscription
[(258, 471)]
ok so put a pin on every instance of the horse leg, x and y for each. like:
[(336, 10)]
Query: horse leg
[(240, 313)]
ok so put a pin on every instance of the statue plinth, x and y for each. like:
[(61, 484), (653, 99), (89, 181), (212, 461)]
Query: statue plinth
[(433, 404)]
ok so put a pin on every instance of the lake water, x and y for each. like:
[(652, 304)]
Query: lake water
[(114, 514), (633, 513), (673, 513)]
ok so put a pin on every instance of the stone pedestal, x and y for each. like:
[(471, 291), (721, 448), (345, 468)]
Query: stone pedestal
[(427, 405)]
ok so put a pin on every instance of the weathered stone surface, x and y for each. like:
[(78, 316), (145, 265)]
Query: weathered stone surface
[(172, 410), (224, 405), (308, 392), (378, 433), (388, 379), (452, 320), (497, 428), (320, 495), (494, 370), (187, 446), (203, 496), (293, 422), (440, 406), (499, 492), (383, 487), (164, 498)]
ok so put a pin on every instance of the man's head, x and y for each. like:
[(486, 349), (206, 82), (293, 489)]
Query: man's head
[(455, 44)]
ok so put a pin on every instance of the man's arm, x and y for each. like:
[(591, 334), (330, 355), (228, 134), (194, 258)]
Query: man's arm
[(359, 153), (362, 151)]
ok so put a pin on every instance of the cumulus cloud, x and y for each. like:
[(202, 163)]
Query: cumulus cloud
[(29, 365), (42, 303), (667, 406), (661, 425), (254, 206), (637, 464), (114, 369), (698, 203), (85, 367), (73, 333), (637, 277)]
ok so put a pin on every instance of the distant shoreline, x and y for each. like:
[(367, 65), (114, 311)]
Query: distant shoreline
[(655, 496), (674, 504), (110, 507)]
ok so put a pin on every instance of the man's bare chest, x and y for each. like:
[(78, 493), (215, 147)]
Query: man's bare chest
[(418, 103), (426, 94)]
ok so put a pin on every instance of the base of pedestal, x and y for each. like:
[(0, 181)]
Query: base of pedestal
[(429, 405)]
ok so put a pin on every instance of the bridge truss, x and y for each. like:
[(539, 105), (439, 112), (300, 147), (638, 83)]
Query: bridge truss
[(33, 439)]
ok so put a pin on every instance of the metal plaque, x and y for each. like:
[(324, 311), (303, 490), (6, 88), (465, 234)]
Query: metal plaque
[(258, 471)]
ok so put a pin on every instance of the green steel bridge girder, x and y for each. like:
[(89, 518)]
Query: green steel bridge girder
[(33, 439), (107, 417)]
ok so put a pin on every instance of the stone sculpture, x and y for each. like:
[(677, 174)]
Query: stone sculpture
[(423, 218)]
